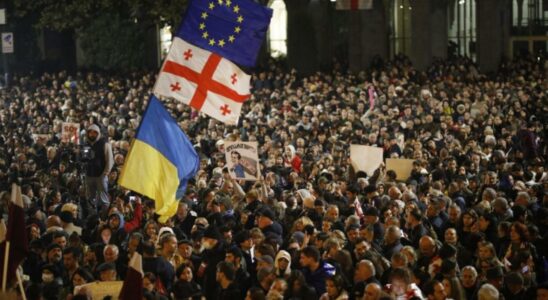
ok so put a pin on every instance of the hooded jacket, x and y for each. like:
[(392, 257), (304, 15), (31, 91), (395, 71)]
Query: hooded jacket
[(287, 256), (102, 160), (317, 278)]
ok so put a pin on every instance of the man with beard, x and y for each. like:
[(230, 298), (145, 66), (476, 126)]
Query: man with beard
[(54, 256), (213, 254), (332, 215), (99, 163)]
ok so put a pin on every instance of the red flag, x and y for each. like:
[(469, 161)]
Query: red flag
[(16, 235), (133, 284)]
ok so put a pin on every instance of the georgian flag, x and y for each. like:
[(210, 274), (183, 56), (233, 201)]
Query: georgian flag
[(354, 4), (203, 80), (133, 283), (15, 238)]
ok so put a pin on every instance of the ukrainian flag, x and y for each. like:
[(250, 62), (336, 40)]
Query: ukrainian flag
[(161, 160)]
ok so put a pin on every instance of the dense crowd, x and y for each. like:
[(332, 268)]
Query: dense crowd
[(470, 222)]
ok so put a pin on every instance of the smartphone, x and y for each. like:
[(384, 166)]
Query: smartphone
[(525, 269), (131, 198)]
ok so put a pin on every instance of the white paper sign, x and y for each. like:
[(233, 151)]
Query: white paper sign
[(7, 42), (366, 158)]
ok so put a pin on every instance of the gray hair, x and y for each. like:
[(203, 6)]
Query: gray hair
[(113, 247), (471, 269), (488, 292), (369, 265)]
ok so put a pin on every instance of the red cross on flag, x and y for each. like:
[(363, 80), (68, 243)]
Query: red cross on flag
[(354, 4), (203, 80)]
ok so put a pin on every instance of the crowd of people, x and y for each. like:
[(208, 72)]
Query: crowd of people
[(470, 222)]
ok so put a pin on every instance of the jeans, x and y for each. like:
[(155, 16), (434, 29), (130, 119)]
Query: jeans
[(97, 191)]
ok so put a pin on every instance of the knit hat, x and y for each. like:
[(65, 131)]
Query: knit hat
[(268, 213), (212, 233), (54, 246)]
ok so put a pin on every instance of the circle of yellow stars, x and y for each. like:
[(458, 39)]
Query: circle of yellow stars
[(237, 29)]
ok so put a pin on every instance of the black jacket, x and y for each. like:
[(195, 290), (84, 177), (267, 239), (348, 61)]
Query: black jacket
[(230, 293), (210, 260)]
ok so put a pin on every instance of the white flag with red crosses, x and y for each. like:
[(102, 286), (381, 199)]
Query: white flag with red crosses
[(204, 80)]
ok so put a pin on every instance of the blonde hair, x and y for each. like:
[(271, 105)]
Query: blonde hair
[(304, 220)]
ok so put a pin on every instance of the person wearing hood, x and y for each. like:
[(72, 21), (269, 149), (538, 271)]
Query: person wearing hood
[(116, 223), (291, 159), (282, 264), (99, 163)]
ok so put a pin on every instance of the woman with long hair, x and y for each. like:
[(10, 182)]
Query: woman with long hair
[(454, 288), (519, 242), (467, 223), (297, 288), (335, 289), (487, 252)]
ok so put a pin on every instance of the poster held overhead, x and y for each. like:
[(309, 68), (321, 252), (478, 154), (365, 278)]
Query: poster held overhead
[(366, 158), (242, 160), (401, 166)]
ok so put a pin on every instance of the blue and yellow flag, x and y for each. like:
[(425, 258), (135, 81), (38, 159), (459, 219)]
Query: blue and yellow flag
[(234, 29), (161, 160)]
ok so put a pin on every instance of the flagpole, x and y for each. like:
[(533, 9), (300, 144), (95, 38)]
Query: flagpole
[(5, 271), (20, 284)]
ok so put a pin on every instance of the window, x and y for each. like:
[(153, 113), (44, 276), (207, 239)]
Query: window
[(462, 28), (165, 41), (400, 27), (277, 32)]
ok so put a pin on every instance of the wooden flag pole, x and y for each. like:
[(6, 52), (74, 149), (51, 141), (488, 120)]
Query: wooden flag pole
[(20, 284), (5, 271)]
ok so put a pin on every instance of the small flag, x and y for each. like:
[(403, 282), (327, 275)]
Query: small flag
[(133, 283), (203, 80), (354, 4), (16, 235), (372, 96), (234, 29), (161, 160)]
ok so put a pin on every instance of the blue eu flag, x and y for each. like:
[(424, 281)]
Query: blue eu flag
[(234, 29)]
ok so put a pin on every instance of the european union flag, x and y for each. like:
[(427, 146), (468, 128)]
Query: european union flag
[(161, 160), (234, 29)]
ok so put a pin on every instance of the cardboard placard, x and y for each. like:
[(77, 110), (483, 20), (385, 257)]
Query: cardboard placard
[(101, 289), (242, 160), (401, 166)]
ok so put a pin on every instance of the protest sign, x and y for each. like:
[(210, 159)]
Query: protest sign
[(401, 166), (242, 160), (366, 158)]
